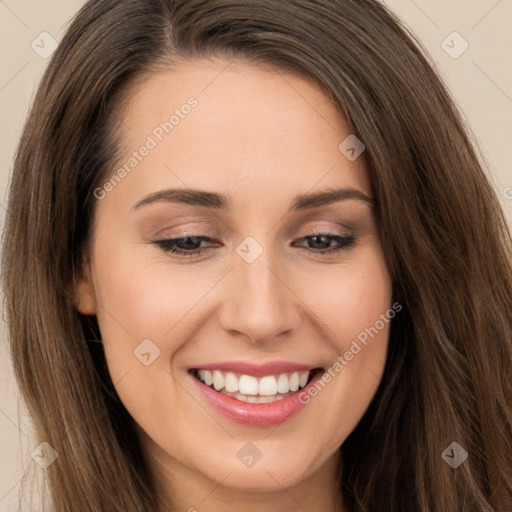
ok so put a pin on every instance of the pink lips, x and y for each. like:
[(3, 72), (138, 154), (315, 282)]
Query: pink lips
[(259, 415), (258, 370)]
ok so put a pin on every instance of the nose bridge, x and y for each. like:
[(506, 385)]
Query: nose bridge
[(259, 304)]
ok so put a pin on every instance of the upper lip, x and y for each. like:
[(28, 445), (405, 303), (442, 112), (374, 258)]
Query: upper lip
[(256, 369)]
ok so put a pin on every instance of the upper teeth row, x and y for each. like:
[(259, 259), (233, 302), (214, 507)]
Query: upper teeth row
[(249, 385)]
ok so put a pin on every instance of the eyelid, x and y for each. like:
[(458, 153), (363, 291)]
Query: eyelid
[(213, 233), (346, 242), (166, 233), (324, 231)]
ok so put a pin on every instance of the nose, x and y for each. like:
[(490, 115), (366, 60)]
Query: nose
[(258, 302)]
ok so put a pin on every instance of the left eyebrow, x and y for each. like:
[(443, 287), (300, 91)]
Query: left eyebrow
[(309, 201)]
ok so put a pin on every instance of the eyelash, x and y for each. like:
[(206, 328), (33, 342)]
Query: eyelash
[(168, 245)]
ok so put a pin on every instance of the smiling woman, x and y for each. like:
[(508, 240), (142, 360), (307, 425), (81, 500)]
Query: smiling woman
[(299, 297)]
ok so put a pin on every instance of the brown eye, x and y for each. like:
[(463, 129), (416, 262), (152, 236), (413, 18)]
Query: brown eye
[(321, 243), (184, 246)]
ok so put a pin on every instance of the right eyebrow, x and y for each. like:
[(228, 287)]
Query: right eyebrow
[(187, 196)]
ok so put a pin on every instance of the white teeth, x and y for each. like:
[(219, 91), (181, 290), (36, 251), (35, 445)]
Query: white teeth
[(283, 384), (231, 382), (251, 389), (294, 381), (206, 377), (248, 385), (268, 386), (218, 380)]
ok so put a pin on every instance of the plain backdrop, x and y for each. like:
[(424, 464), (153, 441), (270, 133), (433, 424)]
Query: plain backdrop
[(479, 77)]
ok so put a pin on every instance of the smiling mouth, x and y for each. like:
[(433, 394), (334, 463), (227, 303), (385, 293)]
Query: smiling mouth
[(256, 390)]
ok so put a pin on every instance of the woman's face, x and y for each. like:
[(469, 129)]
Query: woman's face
[(291, 277)]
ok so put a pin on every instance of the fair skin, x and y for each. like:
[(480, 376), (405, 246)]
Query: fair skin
[(261, 138)]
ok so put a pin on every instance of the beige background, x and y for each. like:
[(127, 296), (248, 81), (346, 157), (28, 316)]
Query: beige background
[(480, 80)]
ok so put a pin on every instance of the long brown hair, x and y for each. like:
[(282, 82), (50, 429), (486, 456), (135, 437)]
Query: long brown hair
[(449, 366)]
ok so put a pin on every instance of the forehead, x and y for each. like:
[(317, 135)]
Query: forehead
[(234, 126)]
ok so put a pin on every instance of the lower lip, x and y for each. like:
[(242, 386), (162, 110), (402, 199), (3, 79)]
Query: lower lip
[(256, 415)]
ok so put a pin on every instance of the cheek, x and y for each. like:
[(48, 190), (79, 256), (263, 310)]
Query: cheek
[(139, 309), (142, 318), (354, 304), (141, 298), (145, 298), (350, 298)]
